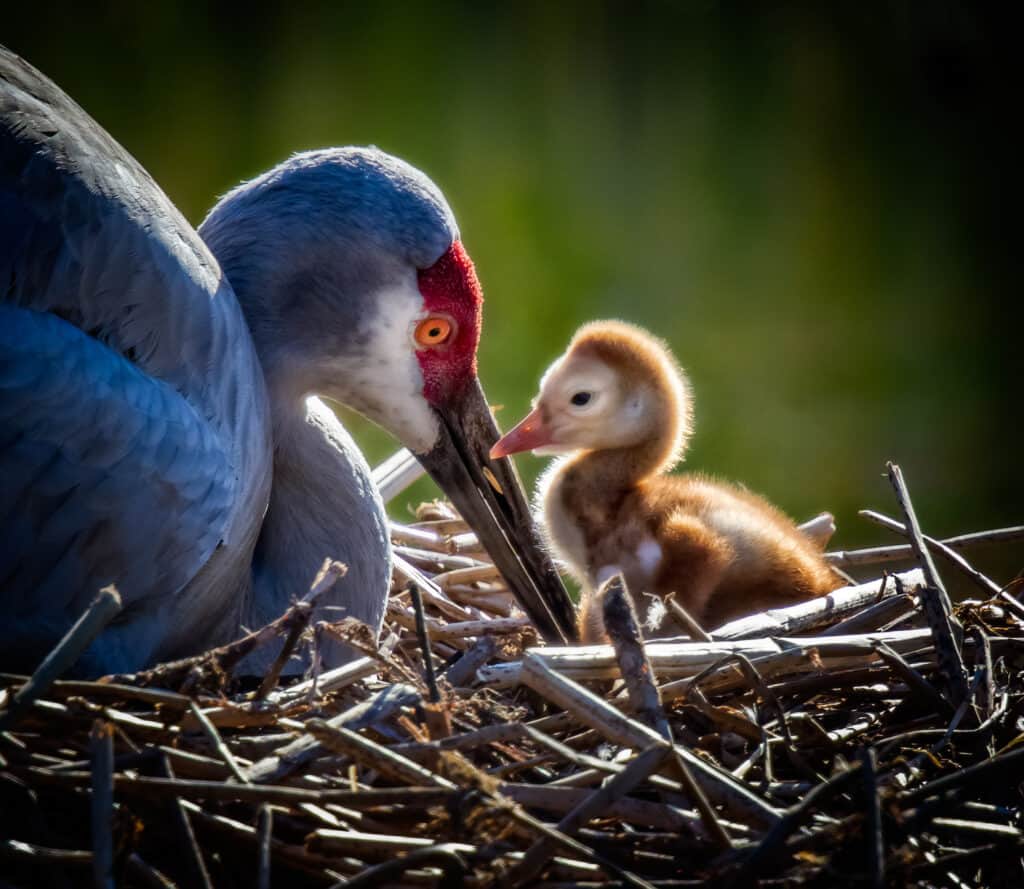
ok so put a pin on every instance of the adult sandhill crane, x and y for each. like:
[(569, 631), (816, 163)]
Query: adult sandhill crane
[(157, 429)]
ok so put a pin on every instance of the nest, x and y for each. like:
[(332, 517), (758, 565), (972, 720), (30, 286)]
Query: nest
[(870, 738)]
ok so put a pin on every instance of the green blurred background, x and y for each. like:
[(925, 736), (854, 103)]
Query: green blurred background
[(811, 205)]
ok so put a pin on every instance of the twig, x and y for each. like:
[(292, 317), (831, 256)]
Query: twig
[(1006, 764), (913, 678), (332, 680), (621, 784), (218, 743), (756, 859), (306, 748), (301, 613), (686, 620), (621, 625), (397, 473), (64, 655), (421, 631), (101, 745), (265, 828), (877, 554), (374, 755), (983, 583), (721, 787), (873, 827), (873, 617), (815, 612), (197, 873), (447, 857), (934, 598), (463, 671), (674, 659)]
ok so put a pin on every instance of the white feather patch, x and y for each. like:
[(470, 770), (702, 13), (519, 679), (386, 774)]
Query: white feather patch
[(649, 555)]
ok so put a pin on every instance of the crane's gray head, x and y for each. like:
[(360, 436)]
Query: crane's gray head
[(348, 266)]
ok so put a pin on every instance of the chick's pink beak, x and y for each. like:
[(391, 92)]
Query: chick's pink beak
[(531, 433)]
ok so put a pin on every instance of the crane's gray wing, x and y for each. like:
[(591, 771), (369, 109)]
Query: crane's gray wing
[(106, 476), (122, 341)]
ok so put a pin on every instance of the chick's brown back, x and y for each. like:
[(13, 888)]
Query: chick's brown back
[(726, 551)]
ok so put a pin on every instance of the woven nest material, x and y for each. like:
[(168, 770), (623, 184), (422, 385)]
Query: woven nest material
[(869, 739)]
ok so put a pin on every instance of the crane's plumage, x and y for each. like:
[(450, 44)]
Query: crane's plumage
[(158, 428), (114, 318)]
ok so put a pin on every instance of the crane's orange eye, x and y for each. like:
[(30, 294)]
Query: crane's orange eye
[(434, 330)]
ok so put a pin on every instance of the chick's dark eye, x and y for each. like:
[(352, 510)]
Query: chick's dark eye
[(580, 398)]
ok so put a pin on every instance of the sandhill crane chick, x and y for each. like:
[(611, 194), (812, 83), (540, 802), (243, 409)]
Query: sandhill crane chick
[(619, 409)]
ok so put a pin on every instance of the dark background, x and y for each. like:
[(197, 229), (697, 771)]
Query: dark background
[(815, 207)]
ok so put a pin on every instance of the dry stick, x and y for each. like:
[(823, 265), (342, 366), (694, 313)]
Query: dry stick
[(431, 591), (873, 617), (758, 684), (597, 802), (375, 756), (219, 791), (815, 612), (218, 743), (983, 655), (686, 620), (1004, 764), (332, 680), (64, 655), (946, 630), (674, 659), (444, 856), (700, 802), (421, 632), (876, 554), (142, 874), (873, 828), (597, 713), (642, 813), (329, 574), (265, 828), (791, 820), (463, 671), (397, 473), (101, 747), (197, 873), (913, 678), (284, 852), (986, 585), (946, 863), (403, 769), (621, 625), (304, 749)]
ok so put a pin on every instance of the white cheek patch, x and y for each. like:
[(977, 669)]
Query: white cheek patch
[(383, 380)]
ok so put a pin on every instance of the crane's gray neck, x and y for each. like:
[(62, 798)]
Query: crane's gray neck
[(323, 505)]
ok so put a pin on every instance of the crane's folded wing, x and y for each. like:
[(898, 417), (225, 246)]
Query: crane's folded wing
[(98, 463)]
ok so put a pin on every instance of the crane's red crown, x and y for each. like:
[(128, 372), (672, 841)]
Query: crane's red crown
[(451, 288)]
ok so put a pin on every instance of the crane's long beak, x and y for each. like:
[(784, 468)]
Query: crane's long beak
[(494, 505)]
